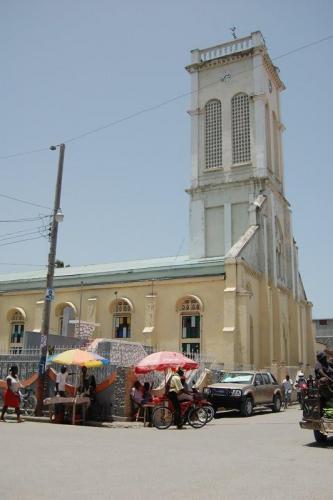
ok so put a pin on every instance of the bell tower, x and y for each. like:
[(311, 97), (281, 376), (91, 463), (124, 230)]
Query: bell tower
[(236, 142)]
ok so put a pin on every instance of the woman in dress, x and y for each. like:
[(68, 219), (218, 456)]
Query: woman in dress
[(12, 395)]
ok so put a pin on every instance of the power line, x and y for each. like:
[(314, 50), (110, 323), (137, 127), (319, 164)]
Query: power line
[(27, 233), (303, 47), (20, 232), (33, 151), (26, 219), (24, 231), (185, 94), (20, 241), (24, 201), (27, 265), (159, 105)]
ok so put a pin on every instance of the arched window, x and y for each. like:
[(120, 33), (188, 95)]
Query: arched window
[(16, 319), (213, 134), (65, 313), (240, 124), (279, 251), (122, 312), (190, 309)]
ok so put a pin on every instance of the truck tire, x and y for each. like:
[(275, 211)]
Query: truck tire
[(247, 407), (277, 403)]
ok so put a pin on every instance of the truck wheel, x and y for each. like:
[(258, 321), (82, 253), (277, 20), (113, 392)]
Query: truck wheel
[(247, 407), (319, 436), (276, 403)]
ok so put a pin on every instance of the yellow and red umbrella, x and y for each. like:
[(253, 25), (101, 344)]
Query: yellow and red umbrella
[(77, 357)]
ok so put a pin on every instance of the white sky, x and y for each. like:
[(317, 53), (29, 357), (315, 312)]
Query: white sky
[(70, 67)]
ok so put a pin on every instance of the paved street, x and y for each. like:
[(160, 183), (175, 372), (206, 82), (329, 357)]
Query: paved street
[(263, 457)]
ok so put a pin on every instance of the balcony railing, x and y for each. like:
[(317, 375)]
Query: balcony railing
[(233, 47)]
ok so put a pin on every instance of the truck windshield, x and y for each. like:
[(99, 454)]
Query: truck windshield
[(238, 378)]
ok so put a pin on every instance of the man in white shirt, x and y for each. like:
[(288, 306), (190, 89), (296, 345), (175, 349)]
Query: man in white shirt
[(61, 381)]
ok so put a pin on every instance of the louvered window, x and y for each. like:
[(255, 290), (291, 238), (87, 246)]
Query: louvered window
[(213, 133), (241, 148)]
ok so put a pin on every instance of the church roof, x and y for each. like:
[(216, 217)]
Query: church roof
[(116, 272)]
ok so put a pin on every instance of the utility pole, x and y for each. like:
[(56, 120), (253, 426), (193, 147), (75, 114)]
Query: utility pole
[(56, 218)]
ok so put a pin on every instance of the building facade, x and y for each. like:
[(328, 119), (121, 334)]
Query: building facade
[(323, 331), (238, 297)]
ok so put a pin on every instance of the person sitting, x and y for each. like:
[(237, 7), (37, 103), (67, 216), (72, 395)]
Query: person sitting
[(88, 384), (323, 370), (87, 388), (146, 399), (136, 396), (311, 386), (146, 394), (310, 381), (324, 378), (186, 395)]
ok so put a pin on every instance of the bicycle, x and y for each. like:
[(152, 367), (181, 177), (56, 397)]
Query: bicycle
[(164, 415), (28, 403), (200, 401)]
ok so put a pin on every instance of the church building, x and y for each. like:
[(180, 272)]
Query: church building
[(237, 298)]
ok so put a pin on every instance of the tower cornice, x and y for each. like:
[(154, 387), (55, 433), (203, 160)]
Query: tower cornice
[(231, 183), (273, 72), (221, 61)]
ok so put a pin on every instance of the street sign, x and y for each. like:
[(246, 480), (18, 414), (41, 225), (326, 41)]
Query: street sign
[(49, 294)]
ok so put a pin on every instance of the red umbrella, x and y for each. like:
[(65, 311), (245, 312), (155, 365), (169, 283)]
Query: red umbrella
[(164, 360)]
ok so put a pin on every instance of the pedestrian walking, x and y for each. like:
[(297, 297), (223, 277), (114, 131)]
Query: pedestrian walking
[(288, 387), (12, 395), (301, 387)]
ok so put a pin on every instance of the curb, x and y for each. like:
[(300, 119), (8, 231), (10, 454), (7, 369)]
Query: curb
[(89, 423)]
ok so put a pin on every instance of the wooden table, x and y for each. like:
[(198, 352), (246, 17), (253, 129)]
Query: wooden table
[(72, 402)]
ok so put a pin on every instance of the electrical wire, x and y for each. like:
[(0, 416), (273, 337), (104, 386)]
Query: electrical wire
[(159, 105), (29, 233), (23, 201), (27, 219), (20, 241), (26, 265), (22, 231)]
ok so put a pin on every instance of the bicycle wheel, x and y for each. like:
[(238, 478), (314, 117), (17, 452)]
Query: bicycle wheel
[(162, 417), (210, 412), (30, 404), (197, 417)]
